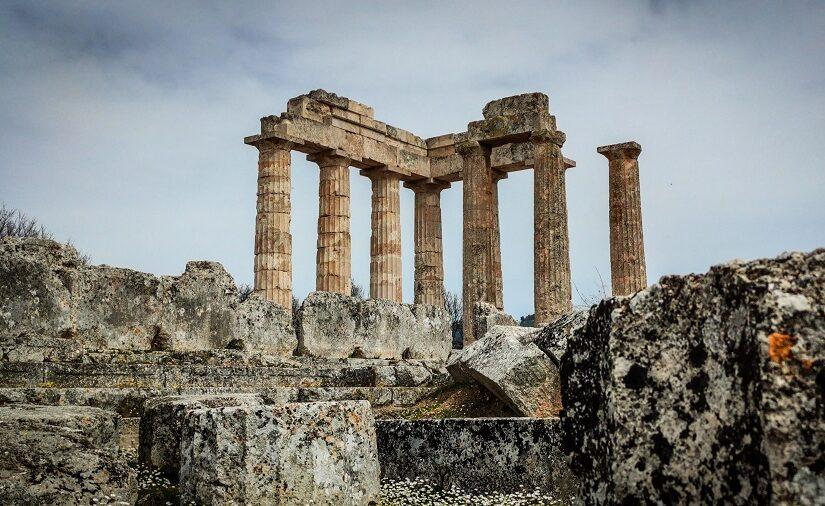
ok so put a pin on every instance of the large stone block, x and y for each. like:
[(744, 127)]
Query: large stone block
[(552, 338), (487, 316), (161, 425), (338, 326), (301, 453), (519, 374), (703, 388), (502, 455), (61, 455), (52, 305)]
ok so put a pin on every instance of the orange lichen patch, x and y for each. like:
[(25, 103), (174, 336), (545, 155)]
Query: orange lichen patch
[(807, 364), (779, 347)]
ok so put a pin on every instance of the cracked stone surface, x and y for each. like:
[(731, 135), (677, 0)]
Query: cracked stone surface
[(703, 388)]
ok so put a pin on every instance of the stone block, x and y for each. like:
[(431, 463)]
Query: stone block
[(61, 455), (489, 455), (301, 453), (519, 374), (525, 103), (552, 338), (703, 388), (338, 326), (487, 316), (161, 426)]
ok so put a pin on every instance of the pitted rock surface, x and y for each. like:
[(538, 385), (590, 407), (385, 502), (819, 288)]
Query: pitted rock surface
[(161, 425), (552, 338), (302, 453), (703, 388), (53, 306), (339, 326), (519, 374), (61, 456)]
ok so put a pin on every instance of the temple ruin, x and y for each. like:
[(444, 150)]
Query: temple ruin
[(516, 133)]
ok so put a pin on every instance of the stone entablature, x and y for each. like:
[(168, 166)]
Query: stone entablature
[(516, 133)]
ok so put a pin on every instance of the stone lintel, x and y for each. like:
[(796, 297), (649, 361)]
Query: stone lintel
[(517, 104), (499, 130), (557, 137), (622, 151), (341, 102)]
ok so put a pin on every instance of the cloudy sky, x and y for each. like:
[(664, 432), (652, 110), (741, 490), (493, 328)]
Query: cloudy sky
[(121, 123)]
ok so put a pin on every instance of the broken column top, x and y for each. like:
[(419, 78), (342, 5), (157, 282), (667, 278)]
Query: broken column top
[(517, 104), (623, 150)]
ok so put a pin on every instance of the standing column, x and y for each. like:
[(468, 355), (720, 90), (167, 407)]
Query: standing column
[(429, 258), (478, 217), (627, 249), (552, 291), (495, 255), (273, 242), (385, 242), (333, 261)]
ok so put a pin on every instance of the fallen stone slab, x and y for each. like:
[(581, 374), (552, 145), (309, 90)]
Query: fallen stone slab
[(338, 326), (297, 453), (703, 388), (62, 455), (519, 374), (487, 455), (487, 316), (161, 426), (552, 338)]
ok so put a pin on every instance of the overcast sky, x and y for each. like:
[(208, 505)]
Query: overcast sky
[(121, 123)]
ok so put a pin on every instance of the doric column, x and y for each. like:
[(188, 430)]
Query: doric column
[(429, 258), (551, 260), (273, 242), (333, 261), (385, 241), (627, 249), (495, 242), (478, 217)]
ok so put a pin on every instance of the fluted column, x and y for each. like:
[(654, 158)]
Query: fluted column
[(478, 217), (627, 249), (552, 290), (273, 242), (429, 257), (333, 261), (385, 241), (495, 241)]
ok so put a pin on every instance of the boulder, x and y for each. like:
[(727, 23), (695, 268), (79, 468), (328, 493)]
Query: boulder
[(298, 453), (552, 338), (62, 455), (703, 389), (54, 305), (487, 316), (338, 326), (162, 422), (519, 374)]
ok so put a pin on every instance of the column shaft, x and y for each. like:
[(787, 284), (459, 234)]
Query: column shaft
[(429, 258), (273, 242), (495, 241), (477, 247), (627, 254), (333, 261), (385, 242), (552, 289)]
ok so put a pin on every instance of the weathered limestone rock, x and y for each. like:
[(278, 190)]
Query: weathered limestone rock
[(485, 454), (477, 283), (487, 316), (62, 455), (52, 305), (627, 249), (429, 257), (385, 241), (334, 259), (302, 453), (273, 241), (703, 388), (551, 255), (338, 326), (552, 338), (161, 425), (519, 374)]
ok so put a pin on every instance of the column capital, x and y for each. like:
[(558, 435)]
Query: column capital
[(624, 151), (471, 148), (329, 158), (428, 185), (557, 137), (569, 164), (379, 172), (273, 143), (499, 175)]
